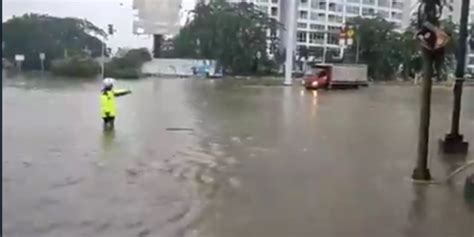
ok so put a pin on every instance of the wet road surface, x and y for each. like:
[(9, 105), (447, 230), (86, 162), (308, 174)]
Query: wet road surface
[(203, 158)]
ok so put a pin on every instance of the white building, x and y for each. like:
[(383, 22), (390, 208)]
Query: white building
[(315, 17)]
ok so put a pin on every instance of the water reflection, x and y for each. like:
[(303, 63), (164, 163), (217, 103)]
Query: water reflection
[(417, 211), (108, 138)]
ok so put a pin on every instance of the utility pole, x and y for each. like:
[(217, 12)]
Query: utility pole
[(102, 59), (290, 41), (357, 46), (428, 21), (453, 141)]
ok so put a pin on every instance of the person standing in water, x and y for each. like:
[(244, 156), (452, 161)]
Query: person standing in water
[(107, 102)]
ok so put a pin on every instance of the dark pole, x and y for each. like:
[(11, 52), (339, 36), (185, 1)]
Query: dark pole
[(421, 171), (453, 142), (428, 14)]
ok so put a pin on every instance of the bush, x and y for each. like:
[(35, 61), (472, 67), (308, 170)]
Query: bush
[(124, 73), (75, 67), (128, 66)]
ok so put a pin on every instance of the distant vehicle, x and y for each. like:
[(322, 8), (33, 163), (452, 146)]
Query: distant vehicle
[(330, 76)]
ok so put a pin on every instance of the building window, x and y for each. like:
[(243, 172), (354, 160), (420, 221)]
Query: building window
[(304, 3), (335, 7), (301, 36), (369, 2), (274, 1), (318, 4), (333, 39), (274, 11), (384, 3), (316, 27), (353, 10), (318, 16), (368, 11), (335, 18), (302, 25), (397, 15), (353, 1), (384, 14), (334, 29), (316, 38), (303, 15), (397, 5)]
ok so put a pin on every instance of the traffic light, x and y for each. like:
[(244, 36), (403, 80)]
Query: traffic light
[(432, 37), (111, 29)]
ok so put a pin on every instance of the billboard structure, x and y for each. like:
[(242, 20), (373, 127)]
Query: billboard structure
[(156, 17)]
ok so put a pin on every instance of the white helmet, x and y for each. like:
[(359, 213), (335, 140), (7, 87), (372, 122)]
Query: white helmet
[(108, 82)]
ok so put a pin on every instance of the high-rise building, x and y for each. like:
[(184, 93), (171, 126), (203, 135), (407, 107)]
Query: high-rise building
[(319, 21)]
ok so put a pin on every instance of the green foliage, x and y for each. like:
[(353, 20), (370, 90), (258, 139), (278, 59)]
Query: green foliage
[(379, 46), (32, 34), (384, 49), (232, 34), (128, 66), (75, 67)]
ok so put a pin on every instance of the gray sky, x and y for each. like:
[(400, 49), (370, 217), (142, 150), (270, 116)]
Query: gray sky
[(100, 12)]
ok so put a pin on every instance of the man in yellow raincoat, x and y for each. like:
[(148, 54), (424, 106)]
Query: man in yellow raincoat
[(107, 102)]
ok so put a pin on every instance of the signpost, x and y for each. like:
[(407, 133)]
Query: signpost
[(19, 58), (42, 57), (350, 36)]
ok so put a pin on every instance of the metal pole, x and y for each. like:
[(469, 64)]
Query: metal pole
[(290, 41), (357, 46), (421, 171), (102, 67), (453, 142), (325, 47)]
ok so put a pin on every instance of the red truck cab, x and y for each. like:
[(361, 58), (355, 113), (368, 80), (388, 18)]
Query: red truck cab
[(317, 77)]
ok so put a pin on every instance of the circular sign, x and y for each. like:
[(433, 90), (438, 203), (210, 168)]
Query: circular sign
[(350, 33)]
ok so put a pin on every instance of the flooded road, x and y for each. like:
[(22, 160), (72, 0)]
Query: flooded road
[(204, 158)]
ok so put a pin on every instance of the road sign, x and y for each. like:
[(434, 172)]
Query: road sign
[(350, 41), (342, 41), (19, 57), (42, 56), (432, 37), (350, 33)]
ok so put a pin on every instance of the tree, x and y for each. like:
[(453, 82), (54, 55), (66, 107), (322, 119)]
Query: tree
[(232, 34), (379, 46), (129, 65), (32, 34)]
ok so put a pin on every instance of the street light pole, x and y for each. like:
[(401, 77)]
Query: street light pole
[(290, 41), (453, 142), (357, 46), (428, 14), (102, 55)]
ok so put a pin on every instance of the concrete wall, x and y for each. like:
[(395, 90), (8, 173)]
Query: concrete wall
[(173, 66)]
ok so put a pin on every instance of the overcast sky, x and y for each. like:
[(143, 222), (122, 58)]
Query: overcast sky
[(100, 12)]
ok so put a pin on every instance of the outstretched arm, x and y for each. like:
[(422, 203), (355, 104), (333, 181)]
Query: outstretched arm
[(119, 93)]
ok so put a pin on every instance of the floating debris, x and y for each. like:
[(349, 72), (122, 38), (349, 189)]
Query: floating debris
[(234, 182), (69, 182), (144, 233), (27, 163), (180, 129)]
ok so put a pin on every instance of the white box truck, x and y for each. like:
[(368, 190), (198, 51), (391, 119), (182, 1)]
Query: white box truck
[(331, 76)]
